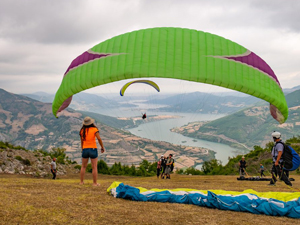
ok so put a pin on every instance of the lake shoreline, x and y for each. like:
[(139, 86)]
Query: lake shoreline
[(163, 133)]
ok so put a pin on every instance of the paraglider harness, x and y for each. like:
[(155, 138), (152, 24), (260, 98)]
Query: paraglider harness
[(144, 116), (291, 159)]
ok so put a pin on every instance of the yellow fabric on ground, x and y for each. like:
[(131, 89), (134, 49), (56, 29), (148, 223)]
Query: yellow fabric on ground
[(282, 196)]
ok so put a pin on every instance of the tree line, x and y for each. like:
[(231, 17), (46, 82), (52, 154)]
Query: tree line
[(254, 158), (144, 169)]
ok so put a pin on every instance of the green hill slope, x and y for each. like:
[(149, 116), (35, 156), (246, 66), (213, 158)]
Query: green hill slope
[(251, 126), (254, 158)]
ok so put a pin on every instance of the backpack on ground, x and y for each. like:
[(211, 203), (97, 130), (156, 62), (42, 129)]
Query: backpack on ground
[(291, 159)]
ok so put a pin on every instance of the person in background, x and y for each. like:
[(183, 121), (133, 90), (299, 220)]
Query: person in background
[(242, 166), (163, 167), (262, 169), (173, 165), (277, 168), (159, 167), (169, 163), (53, 168), (88, 134)]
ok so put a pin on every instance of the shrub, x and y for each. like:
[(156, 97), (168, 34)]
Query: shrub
[(60, 159), (5, 145), (17, 157), (77, 167), (24, 161), (102, 167), (89, 168), (58, 152)]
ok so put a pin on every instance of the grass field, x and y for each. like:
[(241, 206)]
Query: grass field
[(26, 200)]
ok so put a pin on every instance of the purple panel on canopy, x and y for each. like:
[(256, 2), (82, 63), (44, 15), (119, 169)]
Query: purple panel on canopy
[(253, 60), (65, 104), (84, 58)]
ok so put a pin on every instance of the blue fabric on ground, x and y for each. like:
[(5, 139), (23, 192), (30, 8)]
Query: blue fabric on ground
[(240, 203)]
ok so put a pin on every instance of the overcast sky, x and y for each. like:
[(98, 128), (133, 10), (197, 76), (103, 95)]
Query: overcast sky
[(40, 38)]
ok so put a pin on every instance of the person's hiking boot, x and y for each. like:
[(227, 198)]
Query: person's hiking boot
[(272, 184)]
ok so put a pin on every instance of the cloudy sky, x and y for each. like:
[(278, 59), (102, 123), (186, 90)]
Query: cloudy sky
[(40, 38)]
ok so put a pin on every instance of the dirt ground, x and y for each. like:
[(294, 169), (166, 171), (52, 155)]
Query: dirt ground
[(26, 200)]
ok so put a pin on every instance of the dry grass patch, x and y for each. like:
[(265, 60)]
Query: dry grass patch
[(27, 200)]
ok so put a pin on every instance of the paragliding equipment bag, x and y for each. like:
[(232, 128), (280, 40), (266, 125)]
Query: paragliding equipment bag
[(291, 159)]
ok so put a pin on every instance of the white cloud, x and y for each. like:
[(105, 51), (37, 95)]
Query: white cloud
[(39, 39)]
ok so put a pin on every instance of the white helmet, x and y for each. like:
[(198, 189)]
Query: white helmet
[(276, 134)]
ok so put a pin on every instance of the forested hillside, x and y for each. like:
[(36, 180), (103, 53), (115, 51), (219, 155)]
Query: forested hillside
[(251, 126), (254, 158)]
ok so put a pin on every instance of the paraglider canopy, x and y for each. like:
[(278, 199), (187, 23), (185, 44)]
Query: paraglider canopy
[(173, 53), (149, 82)]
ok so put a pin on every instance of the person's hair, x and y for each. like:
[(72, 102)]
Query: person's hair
[(83, 130)]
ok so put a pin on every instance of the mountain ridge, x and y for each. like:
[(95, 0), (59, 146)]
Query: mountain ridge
[(250, 126), (31, 124)]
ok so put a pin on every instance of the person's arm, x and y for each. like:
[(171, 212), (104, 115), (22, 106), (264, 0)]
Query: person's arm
[(279, 148), (81, 143), (100, 142), (81, 139), (170, 163), (278, 158), (52, 167)]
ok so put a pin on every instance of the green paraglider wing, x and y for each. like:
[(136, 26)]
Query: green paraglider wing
[(173, 53), (149, 82)]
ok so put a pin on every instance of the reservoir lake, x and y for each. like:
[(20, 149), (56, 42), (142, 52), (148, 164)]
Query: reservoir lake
[(160, 130)]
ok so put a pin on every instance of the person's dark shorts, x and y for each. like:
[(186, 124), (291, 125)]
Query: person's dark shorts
[(90, 153)]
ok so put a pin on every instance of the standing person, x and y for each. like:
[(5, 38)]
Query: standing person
[(163, 166), (53, 168), (277, 168), (169, 163), (262, 169), (159, 167), (88, 134), (242, 165)]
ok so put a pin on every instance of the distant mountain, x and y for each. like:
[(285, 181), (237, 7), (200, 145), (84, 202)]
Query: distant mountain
[(82, 101), (41, 96), (249, 127), (205, 103), (31, 124), (289, 90)]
